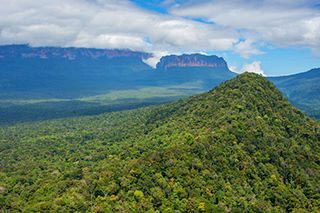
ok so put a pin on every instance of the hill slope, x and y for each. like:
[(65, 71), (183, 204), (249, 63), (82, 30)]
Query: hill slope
[(240, 147), (302, 89)]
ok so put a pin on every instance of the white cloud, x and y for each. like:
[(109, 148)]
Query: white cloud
[(233, 68), (155, 59), (254, 67), (237, 25), (279, 22), (106, 24), (246, 48)]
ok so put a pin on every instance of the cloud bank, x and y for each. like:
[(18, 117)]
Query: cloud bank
[(240, 26), (106, 24), (281, 23), (254, 67)]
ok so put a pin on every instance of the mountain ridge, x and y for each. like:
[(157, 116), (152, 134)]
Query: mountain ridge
[(69, 53), (303, 90), (73, 73)]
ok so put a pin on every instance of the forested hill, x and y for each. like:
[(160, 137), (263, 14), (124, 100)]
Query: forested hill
[(240, 147)]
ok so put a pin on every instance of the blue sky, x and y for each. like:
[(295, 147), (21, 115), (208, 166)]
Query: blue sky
[(154, 5), (274, 60), (272, 37)]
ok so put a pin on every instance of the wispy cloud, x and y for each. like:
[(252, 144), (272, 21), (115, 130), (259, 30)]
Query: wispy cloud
[(278, 22)]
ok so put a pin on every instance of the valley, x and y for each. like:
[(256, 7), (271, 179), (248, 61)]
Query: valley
[(46, 82)]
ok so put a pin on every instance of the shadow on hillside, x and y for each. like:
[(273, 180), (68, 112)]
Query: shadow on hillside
[(12, 114)]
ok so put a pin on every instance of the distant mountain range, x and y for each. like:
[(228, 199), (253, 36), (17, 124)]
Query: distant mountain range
[(75, 72), (71, 53), (65, 72), (302, 89), (51, 72)]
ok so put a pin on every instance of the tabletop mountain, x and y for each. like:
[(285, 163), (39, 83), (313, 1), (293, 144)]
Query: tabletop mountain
[(210, 71), (192, 60), (54, 72), (240, 147)]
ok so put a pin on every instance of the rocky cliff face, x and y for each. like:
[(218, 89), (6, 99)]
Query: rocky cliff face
[(70, 53), (193, 60)]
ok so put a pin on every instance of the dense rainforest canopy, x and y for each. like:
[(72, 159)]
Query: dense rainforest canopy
[(240, 147)]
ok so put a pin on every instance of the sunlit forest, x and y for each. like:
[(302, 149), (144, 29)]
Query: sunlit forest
[(241, 147)]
